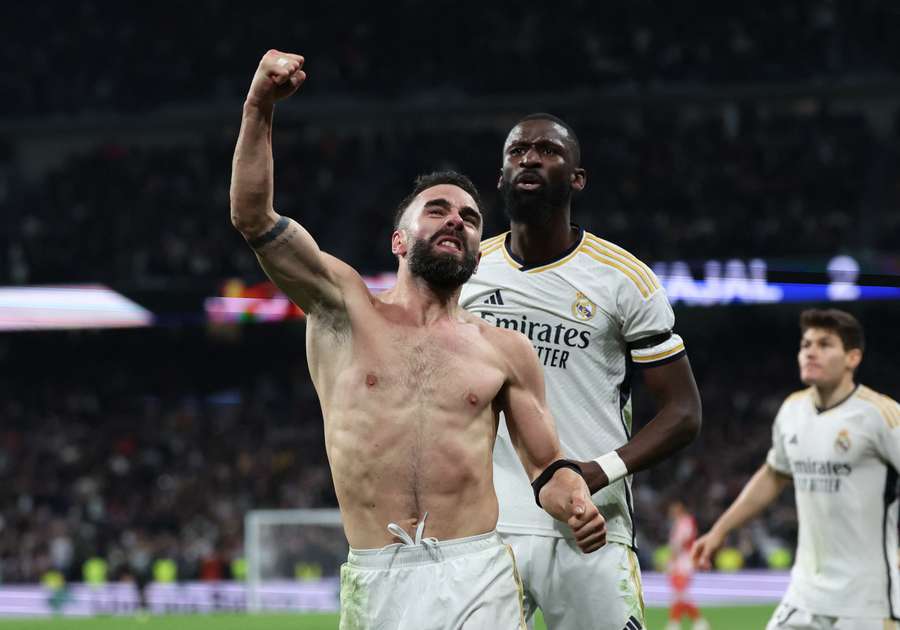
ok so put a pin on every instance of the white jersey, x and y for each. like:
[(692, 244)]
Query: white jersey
[(844, 462), (592, 314)]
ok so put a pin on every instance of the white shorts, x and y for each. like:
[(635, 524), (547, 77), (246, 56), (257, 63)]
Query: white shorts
[(575, 591), (789, 617), (469, 583)]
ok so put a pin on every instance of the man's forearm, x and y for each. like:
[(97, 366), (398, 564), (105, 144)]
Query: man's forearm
[(671, 430), (536, 463), (762, 489), (251, 171), (676, 424)]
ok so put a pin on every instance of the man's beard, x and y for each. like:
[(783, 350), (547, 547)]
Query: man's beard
[(534, 207), (443, 271)]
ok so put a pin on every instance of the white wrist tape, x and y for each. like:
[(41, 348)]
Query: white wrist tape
[(613, 466)]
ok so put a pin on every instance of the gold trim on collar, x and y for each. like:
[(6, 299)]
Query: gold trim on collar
[(551, 265)]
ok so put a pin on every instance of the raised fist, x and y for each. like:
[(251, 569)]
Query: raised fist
[(278, 76)]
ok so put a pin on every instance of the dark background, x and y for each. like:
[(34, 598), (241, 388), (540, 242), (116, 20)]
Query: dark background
[(709, 131)]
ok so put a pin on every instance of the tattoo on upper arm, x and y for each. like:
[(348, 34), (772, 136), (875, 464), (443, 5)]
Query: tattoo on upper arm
[(271, 235)]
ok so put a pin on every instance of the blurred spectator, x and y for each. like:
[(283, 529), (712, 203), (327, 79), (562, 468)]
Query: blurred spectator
[(143, 445), (128, 58), (136, 447), (665, 186)]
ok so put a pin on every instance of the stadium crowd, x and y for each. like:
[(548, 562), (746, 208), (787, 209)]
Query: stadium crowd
[(154, 449), (158, 445), (135, 446), (664, 186), (139, 58)]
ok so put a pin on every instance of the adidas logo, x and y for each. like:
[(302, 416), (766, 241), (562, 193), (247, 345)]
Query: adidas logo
[(793, 439), (633, 624), (495, 298)]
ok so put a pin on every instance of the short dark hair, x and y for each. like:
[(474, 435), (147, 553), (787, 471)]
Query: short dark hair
[(436, 178), (841, 323), (576, 145)]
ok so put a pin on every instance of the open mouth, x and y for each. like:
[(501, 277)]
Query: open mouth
[(450, 244), (529, 181)]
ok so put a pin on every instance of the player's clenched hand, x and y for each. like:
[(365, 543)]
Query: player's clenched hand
[(704, 548), (278, 76), (589, 528), (566, 498)]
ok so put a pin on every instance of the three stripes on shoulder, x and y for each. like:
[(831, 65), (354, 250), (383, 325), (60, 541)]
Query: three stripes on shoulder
[(885, 405), (613, 256)]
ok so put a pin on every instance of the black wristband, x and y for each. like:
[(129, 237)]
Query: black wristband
[(549, 471)]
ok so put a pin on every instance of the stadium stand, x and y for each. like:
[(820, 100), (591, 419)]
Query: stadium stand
[(157, 443)]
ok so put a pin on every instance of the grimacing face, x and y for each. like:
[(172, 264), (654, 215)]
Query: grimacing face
[(823, 360), (539, 173), (439, 236)]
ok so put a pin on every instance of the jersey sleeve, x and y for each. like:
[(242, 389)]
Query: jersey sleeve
[(647, 323), (888, 431), (777, 458)]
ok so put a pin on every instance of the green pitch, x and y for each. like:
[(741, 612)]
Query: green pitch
[(726, 618)]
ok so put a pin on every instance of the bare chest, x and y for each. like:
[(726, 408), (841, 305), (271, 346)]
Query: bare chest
[(440, 368)]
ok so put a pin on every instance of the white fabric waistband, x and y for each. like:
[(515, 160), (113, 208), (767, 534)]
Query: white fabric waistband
[(404, 555)]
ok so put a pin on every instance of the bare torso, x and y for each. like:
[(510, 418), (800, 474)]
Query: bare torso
[(410, 384), (410, 419)]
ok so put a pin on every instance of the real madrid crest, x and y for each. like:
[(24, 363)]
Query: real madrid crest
[(842, 442), (583, 308)]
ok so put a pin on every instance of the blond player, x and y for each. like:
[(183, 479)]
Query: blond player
[(596, 315), (839, 442), (410, 387)]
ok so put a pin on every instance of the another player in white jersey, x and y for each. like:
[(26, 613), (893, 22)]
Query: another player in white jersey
[(594, 313), (840, 444)]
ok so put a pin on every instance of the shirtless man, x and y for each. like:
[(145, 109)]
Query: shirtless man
[(411, 387)]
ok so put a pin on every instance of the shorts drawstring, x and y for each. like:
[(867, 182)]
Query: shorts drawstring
[(408, 541)]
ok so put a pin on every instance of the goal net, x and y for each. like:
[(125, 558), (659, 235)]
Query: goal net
[(294, 559)]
